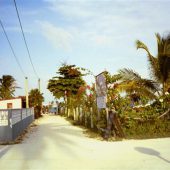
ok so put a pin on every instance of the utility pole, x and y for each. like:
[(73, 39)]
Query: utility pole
[(39, 84), (26, 92)]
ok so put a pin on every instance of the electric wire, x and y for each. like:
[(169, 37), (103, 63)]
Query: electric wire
[(25, 39), (12, 49)]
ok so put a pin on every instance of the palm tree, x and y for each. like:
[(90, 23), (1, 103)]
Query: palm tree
[(160, 64), (35, 100), (133, 83), (7, 87)]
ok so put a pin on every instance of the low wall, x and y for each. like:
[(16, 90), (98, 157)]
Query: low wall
[(13, 122)]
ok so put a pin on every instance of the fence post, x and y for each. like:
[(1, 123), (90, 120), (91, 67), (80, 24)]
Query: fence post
[(74, 113), (91, 117), (98, 114), (85, 118), (77, 113), (107, 116), (68, 114), (81, 114)]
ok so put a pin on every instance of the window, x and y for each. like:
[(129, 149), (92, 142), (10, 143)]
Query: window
[(9, 105)]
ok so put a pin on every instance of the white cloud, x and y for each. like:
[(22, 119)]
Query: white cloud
[(58, 36), (103, 40), (108, 23), (71, 9), (98, 23)]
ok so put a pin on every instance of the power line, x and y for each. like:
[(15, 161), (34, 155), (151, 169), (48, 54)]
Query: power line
[(25, 38), (12, 49)]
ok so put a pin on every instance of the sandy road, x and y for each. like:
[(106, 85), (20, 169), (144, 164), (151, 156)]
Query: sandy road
[(57, 145)]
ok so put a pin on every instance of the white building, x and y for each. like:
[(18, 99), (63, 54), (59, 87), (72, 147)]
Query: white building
[(13, 103)]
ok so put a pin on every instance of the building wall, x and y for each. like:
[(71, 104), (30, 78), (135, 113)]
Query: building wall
[(13, 122), (16, 103)]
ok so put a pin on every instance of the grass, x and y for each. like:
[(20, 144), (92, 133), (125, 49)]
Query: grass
[(160, 129)]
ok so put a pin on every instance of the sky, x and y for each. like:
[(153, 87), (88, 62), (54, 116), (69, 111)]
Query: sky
[(94, 34)]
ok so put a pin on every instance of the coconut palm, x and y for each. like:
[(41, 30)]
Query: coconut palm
[(133, 83), (160, 64), (7, 87)]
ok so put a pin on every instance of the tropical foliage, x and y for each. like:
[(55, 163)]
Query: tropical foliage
[(7, 87), (35, 100), (67, 82), (160, 64), (137, 100), (135, 85)]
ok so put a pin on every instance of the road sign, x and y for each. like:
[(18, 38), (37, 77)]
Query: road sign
[(101, 90)]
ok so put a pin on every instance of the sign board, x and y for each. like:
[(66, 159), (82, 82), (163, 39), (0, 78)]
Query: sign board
[(3, 118), (101, 90), (101, 102)]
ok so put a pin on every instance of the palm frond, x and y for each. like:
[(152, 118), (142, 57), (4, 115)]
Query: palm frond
[(160, 43), (166, 40), (154, 69), (150, 84), (128, 74), (132, 82), (140, 44)]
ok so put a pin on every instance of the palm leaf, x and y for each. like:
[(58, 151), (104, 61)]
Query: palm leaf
[(154, 69), (132, 82)]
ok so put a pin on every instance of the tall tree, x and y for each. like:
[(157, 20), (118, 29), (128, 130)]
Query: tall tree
[(160, 64), (35, 100), (7, 87), (67, 82)]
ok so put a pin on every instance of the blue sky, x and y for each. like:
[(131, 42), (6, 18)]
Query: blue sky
[(94, 34)]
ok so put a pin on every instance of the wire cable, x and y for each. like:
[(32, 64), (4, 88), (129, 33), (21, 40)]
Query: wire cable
[(12, 48), (25, 38)]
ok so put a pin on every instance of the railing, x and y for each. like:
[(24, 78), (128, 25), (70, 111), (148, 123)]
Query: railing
[(13, 122)]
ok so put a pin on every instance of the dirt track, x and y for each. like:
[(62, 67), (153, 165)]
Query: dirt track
[(57, 145)]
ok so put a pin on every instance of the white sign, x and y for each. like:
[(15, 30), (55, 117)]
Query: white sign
[(101, 102), (101, 90), (3, 118)]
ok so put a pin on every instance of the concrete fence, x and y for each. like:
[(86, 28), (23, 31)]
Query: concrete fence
[(13, 122)]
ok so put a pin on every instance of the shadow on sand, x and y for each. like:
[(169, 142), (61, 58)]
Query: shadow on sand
[(151, 152)]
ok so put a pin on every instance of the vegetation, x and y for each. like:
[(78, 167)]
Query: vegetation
[(67, 82), (133, 83), (140, 111), (159, 65), (7, 87), (35, 100), (67, 85)]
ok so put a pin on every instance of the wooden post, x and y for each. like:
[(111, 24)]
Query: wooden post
[(74, 113), (68, 110), (81, 114), (91, 117), (107, 116), (39, 84), (77, 114), (98, 114), (85, 119), (26, 92)]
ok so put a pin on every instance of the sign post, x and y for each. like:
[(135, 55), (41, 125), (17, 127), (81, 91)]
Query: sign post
[(101, 92)]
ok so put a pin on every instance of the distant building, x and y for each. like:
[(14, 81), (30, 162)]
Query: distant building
[(54, 108), (13, 103)]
